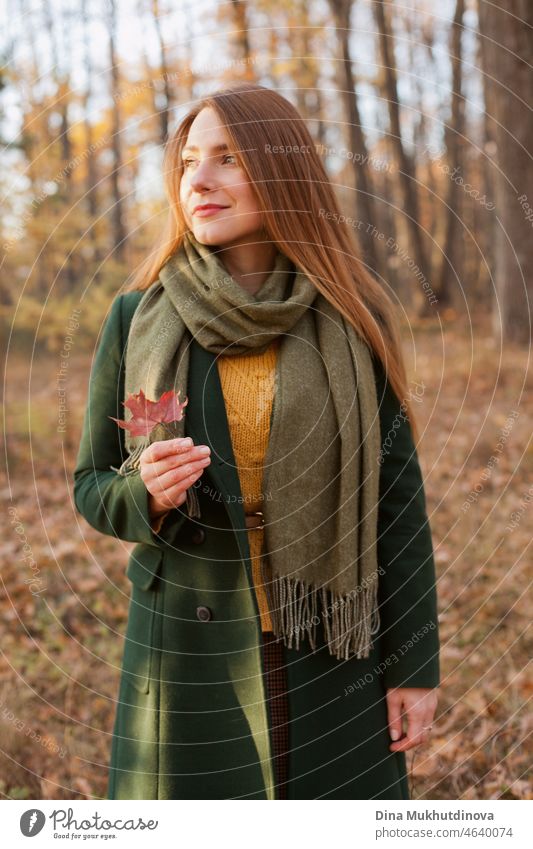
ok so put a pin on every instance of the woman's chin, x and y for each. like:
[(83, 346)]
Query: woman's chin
[(212, 233), (219, 234)]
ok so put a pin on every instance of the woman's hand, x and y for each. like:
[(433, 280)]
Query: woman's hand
[(417, 705), (168, 468)]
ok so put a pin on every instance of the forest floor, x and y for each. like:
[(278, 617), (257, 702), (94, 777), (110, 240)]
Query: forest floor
[(65, 594)]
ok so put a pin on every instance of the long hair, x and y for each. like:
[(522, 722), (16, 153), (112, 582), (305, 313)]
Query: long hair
[(301, 216)]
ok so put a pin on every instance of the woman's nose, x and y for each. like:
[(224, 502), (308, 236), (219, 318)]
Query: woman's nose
[(202, 177)]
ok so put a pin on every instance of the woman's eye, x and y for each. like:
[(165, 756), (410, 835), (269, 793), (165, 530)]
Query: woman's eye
[(231, 156)]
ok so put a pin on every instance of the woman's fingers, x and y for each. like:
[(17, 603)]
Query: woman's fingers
[(163, 448), (169, 467), (173, 495), (161, 456), (416, 715), (418, 705), (184, 474), (394, 711), (178, 494)]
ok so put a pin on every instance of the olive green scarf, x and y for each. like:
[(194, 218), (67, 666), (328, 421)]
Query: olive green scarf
[(321, 473)]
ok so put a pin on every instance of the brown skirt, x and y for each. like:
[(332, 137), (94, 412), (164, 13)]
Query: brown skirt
[(278, 706)]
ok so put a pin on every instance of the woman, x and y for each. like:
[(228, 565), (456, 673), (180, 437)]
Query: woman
[(282, 637)]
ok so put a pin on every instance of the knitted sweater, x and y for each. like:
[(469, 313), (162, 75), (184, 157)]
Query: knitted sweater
[(247, 382)]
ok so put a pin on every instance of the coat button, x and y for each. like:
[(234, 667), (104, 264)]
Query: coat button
[(204, 613), (198, 536)]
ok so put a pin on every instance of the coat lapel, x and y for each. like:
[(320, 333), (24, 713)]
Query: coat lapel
[(207, 424)]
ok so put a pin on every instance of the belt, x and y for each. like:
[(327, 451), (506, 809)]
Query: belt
[(254, 520)]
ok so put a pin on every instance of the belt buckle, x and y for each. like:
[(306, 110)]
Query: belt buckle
[(258, 524)]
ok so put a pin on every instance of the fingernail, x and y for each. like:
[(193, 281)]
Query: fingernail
[(394, 734), (186, 442)]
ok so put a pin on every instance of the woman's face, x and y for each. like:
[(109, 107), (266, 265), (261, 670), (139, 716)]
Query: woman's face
[(212, 175)]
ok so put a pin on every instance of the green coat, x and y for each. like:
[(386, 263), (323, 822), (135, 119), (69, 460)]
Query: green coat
[(192, 721)]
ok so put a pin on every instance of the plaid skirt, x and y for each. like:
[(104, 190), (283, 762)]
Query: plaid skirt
[(278, 707)]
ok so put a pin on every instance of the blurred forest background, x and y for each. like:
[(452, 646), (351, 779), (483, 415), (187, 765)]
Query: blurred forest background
[(422, 111)]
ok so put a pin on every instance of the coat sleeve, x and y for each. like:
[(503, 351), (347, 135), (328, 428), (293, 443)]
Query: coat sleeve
[(114, 504), (407, 581)]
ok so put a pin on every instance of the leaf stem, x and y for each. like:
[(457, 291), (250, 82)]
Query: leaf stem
[(170, 433)]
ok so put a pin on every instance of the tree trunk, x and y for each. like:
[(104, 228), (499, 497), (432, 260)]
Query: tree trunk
[(164, 88), (117, 213), (407, 175), (242, 38), (452, 264), (67, 275), (364, 204), (308, 91), (506, 32), (91, 178)]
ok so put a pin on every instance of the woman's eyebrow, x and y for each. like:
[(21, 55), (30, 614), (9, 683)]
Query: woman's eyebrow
[(216, 148)]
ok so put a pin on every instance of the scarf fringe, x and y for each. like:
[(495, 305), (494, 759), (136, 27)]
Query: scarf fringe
[(132, 461), (349, 620), (131, 465)]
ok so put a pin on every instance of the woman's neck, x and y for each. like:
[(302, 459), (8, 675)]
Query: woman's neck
[(249, 264)]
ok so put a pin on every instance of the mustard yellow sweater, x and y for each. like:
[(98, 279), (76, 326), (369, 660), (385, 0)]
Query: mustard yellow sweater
[(247, 382)]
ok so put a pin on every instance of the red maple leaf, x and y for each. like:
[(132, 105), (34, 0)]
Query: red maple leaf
[(147, 414)]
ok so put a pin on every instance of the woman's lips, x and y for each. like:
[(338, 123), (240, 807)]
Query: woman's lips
[(204, 211)]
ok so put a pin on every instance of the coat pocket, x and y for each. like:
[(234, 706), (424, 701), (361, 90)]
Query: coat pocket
[(143, 568), (144, 564)]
